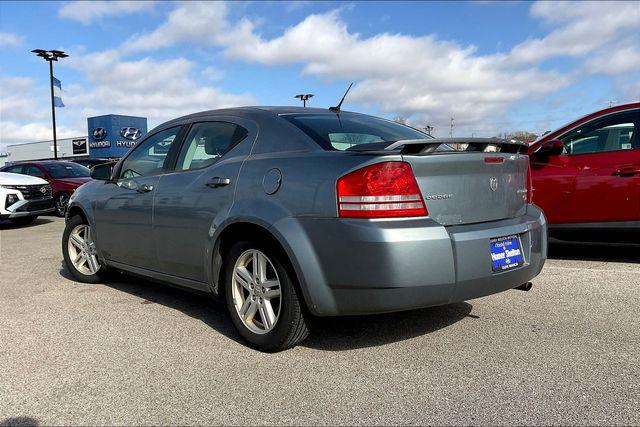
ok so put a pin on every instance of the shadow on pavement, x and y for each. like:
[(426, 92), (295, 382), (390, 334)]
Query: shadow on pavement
[(8, 225), (198, 306), (593, 251), (19, 421), (332, 334), (348, 333)]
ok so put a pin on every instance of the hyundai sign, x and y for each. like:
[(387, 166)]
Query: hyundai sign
[(113, 135)]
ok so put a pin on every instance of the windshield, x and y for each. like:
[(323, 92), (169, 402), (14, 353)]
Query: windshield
[(67, 170), (342, 132)]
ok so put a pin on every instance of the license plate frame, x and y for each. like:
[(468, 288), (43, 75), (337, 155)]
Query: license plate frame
[(503, 257)]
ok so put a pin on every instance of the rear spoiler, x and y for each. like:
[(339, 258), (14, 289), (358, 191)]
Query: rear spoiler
[(426, 146)]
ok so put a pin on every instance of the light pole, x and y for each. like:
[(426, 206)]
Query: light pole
[(304, 97), (50, 56)]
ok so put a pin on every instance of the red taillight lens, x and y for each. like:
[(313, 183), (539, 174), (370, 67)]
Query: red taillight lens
[(382, 190)]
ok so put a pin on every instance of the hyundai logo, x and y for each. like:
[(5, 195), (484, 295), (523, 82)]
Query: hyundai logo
[(493, 183), (99, 134), (130, 133)]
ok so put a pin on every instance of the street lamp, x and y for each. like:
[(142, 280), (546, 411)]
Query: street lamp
[(50, 56), (304, 98)]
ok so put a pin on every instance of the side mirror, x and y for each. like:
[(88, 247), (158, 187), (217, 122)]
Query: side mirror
[(103, 171), (553, 147)]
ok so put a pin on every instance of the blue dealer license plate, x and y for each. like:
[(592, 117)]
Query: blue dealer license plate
[(506, 253)]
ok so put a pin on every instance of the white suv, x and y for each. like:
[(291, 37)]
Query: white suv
[(24, 197)]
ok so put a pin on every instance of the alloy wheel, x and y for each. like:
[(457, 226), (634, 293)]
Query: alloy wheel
[(256, 291), (61, 204), (82, 250)]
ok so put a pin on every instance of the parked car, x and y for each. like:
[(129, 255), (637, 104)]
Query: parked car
[(586, 175), (292, 212), (89, 163), (23, 198), (65, 177)]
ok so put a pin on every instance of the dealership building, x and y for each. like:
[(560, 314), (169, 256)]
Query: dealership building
[(108, 137)]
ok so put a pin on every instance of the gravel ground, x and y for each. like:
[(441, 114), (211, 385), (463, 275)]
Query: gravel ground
[(135, 352)]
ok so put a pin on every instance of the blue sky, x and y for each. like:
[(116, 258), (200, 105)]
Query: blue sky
[(494, 66)]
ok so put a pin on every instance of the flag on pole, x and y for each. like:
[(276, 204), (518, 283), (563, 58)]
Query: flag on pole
[(57, 93)]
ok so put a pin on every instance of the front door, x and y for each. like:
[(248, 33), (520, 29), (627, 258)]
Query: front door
[(606, 154), (124, 213), (198, 191)]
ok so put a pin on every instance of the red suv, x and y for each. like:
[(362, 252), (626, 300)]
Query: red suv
[(63, 176), (586, 175)]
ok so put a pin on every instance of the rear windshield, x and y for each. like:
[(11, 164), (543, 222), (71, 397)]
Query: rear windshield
[(67, 170), (343, 132)]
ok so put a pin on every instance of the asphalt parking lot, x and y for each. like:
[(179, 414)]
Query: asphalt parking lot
[(135, 352)]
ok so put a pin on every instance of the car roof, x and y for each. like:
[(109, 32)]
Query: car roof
[(39, 162), (264, 111)]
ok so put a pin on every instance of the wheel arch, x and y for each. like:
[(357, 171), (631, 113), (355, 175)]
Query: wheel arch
[(251, 230), (74, 210)]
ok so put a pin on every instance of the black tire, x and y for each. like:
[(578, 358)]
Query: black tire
[(78, 275), (24, 220), (61, 203), (291, 327)]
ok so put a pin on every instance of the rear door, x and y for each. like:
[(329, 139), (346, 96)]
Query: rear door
[(193, 198), (606, 155), (124, 212)]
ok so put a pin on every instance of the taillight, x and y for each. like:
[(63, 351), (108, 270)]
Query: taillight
[(382, 190)]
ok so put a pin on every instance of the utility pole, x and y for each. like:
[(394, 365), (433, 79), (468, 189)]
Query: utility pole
[(304, 97), (611, 102), (428, 129), (451, 130), (50, 56)]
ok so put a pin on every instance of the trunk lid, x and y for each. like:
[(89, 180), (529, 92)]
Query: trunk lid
[(470, 187)]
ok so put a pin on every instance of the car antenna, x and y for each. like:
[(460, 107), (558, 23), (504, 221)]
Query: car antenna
[(337, 107)]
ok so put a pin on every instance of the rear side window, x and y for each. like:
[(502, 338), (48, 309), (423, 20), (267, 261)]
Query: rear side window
[(207, 142), (344, 131), (34, 171), (67, 170)]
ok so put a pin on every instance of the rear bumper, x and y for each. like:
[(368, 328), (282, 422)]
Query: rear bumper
[(360, 266), (29, 208)]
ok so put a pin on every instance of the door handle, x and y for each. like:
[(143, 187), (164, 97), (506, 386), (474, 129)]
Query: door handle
[(627, 172), (218, 182), (144, 188)]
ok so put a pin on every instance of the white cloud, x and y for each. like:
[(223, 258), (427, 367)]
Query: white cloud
[(213, 73), (582, 28), (615, 62), (423, 77), (15, 133), (86, 12), (157, 89), (21, 100), (11, 40), (201, 22)]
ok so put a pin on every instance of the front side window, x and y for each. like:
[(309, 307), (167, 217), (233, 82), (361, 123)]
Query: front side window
[(66, 170), (33, 171), (612, 133), (342, 132), (148, 158), (207, 142)]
